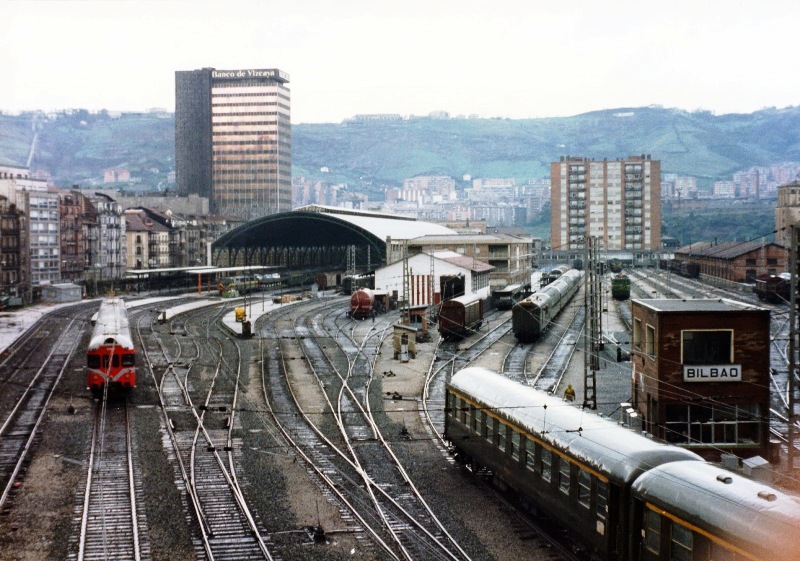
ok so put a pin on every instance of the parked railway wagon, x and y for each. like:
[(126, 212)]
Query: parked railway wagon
[(328, 281), (231, 287), (362, 303), (110, 356), (269, 281), (351, 283), (688, 269), (506, 297), (621, 287), (617, 494), (460, 317), (553, 274), (772, 288), (532, 316)]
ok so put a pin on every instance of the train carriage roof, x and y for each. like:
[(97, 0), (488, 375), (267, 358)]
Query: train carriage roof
[(726, 504), (112, 323), (615, 451), (554, 288)]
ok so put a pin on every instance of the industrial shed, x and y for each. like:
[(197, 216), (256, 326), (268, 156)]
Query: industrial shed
[(433, 277)]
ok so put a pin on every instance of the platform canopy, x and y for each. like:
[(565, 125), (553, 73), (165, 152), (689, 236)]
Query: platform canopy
[(319, 236)]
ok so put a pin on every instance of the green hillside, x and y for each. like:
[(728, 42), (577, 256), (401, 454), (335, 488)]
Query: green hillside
[(76, 148)]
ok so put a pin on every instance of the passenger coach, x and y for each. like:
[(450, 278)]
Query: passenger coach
[(621, 496)]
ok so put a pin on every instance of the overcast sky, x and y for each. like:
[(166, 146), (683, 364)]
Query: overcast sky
[(506, 58)]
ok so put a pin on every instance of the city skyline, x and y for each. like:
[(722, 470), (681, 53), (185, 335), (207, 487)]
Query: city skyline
[(516, 59)]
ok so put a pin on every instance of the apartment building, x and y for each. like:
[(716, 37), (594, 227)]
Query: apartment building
[(618, 202)]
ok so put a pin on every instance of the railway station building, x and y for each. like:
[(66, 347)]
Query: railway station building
[(701, 374), (319, 238)]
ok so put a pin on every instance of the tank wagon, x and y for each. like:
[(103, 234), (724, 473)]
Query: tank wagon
[(621, 287), (460, 317), (361, 303), (532, 316), (110, 356), (618, 494)]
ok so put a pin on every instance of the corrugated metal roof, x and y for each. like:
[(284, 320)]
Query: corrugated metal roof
[(726, 250)]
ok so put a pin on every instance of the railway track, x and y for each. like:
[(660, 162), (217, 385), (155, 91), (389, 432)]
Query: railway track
[(35, 388), (112, 527), (333, 473), (411, 524), (202, 439)]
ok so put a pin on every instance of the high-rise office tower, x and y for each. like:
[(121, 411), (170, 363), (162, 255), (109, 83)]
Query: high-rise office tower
[(233, 140), (618, 202)]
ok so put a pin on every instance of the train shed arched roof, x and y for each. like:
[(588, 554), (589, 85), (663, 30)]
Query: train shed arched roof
[(322, 226)]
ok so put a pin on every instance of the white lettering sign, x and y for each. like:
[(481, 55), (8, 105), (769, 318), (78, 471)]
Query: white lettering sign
[(713, 373), (241, 74)]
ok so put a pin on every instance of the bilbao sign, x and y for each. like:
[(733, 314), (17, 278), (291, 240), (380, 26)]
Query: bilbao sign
[(712, 373)]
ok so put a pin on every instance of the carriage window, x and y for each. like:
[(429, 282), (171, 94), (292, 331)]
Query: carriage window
[(652, 531), (93, 361), (681, 543), (501, 443), (530, 455), (467, 415), (515, 441), (545, 464), (584, 488), (106, 361), (476, 420), (602, 506), (489, 429), (463, 410), (115, 361), (129, 360), (563, 475)]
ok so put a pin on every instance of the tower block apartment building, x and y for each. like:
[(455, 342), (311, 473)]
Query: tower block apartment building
[(233, 140), (616, 201)]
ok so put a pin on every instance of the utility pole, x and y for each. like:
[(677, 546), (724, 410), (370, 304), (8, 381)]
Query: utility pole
[(431, 286), (792, 342), (592, 333), (406, 280)]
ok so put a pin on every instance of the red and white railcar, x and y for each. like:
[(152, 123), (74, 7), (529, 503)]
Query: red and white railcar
[(111, 358)]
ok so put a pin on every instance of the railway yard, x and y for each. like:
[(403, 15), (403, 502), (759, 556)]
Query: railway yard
[(307, 441)]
